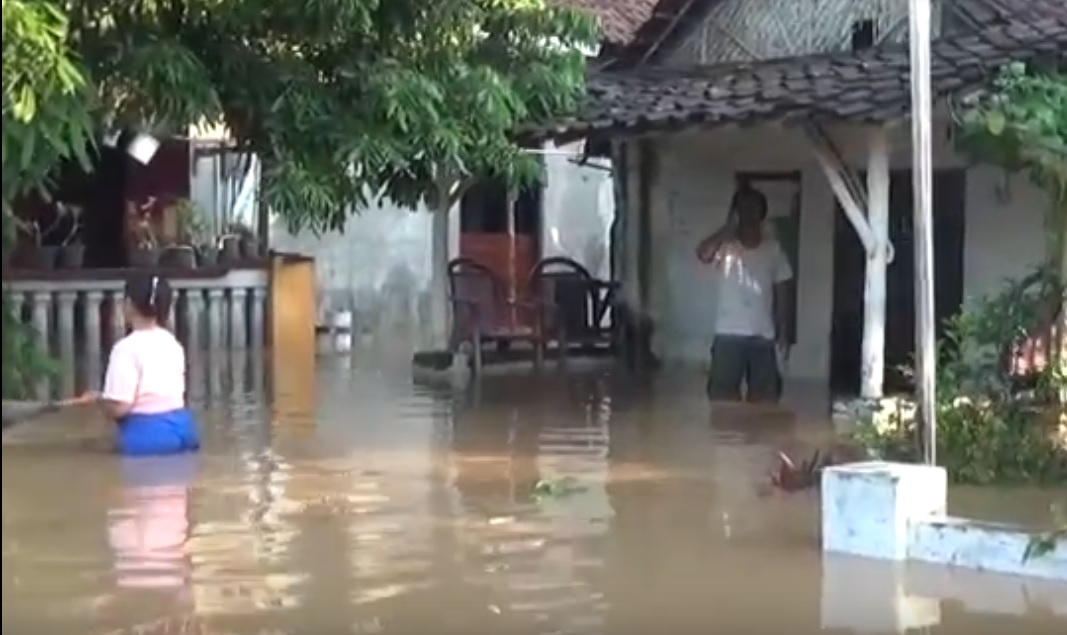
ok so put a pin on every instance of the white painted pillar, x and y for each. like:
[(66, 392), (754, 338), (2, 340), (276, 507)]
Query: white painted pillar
[(215, 326), (194, 305), (117, 323), (874, 310), (94, 337), (66, 301), (258, 319), (239, 319), (40, 306)]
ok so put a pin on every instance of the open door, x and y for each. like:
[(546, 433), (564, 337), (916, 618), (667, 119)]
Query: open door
[(292, 338)]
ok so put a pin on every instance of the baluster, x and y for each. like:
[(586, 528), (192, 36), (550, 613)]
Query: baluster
[(40, 308), (214, 318), (194, 307), (117, 321), (179, 319), (259, 301), (65, 335), (239, 319), (172, 311), (93, 336)]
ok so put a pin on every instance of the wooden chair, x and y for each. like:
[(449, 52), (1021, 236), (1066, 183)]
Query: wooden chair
[(484, 314), (582, 305)]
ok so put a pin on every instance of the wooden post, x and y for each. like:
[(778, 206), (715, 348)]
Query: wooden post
[(922, 175), (874, 310), (292, 337)]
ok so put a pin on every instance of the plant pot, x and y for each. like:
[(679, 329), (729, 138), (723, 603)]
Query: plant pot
[(72, 256), (179, 257), (207, 256), (230, 250), (250, 249), (39, 258), (144, 257)]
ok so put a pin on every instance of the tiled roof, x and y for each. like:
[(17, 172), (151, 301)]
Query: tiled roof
[(619, 19), (991, 12), (858, 87)]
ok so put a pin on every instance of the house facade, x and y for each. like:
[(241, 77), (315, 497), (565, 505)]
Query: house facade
[(808, 101)]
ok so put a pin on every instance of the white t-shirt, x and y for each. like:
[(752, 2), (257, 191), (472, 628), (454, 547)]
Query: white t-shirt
[(147, 369), (745, 280)]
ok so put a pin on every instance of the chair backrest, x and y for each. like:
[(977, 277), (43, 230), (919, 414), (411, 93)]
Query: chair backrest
[(570, 288), (473, 283)]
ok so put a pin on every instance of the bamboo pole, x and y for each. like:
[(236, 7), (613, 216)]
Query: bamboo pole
[(922, 180)]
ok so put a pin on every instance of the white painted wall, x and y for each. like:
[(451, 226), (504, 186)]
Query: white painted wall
[(579, 207), (695, 180)]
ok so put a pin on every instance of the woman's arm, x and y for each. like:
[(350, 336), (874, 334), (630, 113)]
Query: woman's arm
[(120, 383)]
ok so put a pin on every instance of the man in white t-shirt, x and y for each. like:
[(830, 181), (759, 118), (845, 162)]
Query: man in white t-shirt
[(750, 334)]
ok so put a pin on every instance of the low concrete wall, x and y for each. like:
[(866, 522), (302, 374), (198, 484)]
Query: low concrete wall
[(900, 597), (895, 511)]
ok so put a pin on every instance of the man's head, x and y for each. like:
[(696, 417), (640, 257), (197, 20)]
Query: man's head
[(750, 207)]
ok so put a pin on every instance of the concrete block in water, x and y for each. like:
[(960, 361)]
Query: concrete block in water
[(868, 508), (895, 511)]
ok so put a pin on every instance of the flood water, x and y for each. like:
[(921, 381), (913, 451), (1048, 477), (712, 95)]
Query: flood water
[(583, 504)]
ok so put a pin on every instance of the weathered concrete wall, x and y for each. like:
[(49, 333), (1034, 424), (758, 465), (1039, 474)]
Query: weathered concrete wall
[(1004, 235)]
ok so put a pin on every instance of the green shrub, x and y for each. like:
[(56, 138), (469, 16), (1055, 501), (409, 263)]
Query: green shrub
[(990, 429)]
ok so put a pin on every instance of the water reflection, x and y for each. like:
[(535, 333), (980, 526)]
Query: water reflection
[(394, 508)]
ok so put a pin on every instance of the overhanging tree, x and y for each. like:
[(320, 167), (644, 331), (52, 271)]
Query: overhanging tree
[(46, 119), (1021, 125), (343, 100)]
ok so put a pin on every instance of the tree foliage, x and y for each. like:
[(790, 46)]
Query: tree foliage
[(1021, 125), (46, 119), (341, 99)]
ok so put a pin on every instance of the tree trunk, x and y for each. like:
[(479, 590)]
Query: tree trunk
[(1059, 344), (440, 310)]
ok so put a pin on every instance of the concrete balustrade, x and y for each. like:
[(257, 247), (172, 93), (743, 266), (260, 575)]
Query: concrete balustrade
[(79, 318)]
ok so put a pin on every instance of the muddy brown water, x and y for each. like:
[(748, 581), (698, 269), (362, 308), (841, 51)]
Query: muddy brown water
[(394, 509)]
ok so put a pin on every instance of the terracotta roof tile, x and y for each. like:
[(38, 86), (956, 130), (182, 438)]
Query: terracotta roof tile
[(866, 87), (619, 19)]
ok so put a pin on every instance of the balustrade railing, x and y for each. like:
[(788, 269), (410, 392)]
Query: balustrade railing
[(78, 316)]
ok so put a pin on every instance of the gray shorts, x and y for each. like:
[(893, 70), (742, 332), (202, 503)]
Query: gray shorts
[(750, 361)]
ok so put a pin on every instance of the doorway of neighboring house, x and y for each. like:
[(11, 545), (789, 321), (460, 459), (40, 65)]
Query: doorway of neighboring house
[(484, 231), (848, 280)]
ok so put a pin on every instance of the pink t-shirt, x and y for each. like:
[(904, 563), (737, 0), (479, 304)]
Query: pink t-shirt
[(147, 369)]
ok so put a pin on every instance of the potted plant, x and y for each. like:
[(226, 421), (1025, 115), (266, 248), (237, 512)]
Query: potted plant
[(146, 250), (190, 227), (207, 251), (37, 255), (71, 249), (229, 246), (248, 244)]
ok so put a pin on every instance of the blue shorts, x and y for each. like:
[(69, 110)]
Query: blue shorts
[(159, 433)]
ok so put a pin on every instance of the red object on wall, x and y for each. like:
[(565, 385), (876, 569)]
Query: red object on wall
[(494, 251)]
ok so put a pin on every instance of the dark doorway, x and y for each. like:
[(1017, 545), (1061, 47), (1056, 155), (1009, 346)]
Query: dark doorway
[(849, 269)]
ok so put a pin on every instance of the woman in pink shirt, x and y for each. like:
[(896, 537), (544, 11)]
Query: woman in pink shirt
[(144, 388)]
